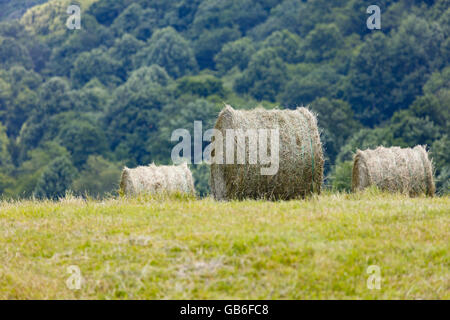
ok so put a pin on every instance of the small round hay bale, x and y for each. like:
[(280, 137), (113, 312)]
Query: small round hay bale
[(300, 165), (406, 170), (154, 179)]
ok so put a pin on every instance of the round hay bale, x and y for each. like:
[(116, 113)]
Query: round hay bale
[(300, 155), (154, 179), (406, 170)]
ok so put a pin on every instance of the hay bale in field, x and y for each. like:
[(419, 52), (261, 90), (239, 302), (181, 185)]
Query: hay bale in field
[(154, 179), (394, 169), (300, 155)]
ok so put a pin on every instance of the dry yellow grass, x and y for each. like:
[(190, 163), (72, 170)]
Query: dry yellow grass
[(182, 248)]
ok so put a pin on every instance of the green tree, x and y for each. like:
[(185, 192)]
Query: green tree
[(118, 87), (124, 49), (31, 169), (341, 176), (436, 99), (93, 98), (6, 185), (92, 35), (443, 181), (5, 157), (321, 82), (134, 114), (39, 52), (213, 14), (13, 53), (147, 76), (287, 45), (441, 161), (181, 115), (6, 182), (202, 86), (54, 96), (264, 77), (439, 152), (12, 29), (413, 130), (236, 53), (370, 76), (56, 179), (97, 64), (336, 119), (322, 43), (388, 72), (169, 50), (106, 11), (210, 43), (431, 107), (284, 15), (136, 21), (18, 97), (83, 139), (364, 139), (98, 178), (201, 175)]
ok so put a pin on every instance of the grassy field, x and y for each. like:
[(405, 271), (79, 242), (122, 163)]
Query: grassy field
[(188, 249)]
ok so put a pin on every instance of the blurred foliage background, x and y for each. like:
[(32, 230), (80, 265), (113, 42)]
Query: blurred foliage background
[(78, 105)]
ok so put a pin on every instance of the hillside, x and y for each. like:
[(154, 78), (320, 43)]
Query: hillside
[(15, 9), (144, 248), (78, 105)]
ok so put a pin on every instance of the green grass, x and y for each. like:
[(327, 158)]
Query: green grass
[(182, 248)]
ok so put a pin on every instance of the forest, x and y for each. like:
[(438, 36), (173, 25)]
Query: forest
[(76, 106)]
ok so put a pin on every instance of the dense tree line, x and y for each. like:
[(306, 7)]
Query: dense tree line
[(78, 105)]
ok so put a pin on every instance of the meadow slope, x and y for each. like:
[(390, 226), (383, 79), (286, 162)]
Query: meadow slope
[(201, 249)]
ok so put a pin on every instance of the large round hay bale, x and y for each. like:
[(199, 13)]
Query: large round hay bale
[(154, 179), (407, 170), (300, 165)]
